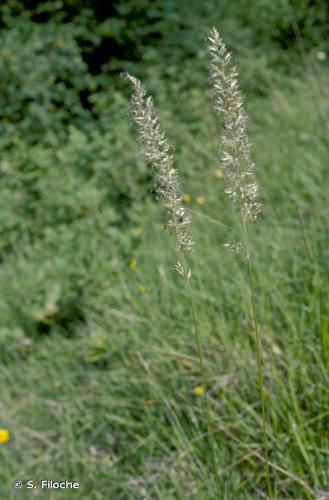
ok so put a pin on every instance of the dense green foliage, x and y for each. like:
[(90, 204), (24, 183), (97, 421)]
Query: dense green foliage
[(98, 364)]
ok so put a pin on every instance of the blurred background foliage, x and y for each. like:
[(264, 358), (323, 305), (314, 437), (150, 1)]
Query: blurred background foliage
[(68, 160)]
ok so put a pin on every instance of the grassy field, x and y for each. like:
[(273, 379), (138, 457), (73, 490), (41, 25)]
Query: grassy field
[(101, 387)]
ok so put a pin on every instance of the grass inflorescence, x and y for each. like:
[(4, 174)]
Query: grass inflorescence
[(242, 189)]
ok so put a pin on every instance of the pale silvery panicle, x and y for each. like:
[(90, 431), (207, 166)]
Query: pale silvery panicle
[(234, 145), (157, 153), (239, 168)]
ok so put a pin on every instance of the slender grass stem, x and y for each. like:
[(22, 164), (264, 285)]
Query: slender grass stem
[(259, 358), (210, 425)]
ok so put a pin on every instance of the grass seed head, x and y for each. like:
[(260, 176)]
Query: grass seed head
[(234, 145), (158, 154)]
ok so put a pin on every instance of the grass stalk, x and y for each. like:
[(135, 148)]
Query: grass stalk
[(259, 359), (210, 426)]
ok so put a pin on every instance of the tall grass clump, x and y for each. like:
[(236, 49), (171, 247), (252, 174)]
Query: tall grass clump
[(158, 154), (239, 168), (242, 189)]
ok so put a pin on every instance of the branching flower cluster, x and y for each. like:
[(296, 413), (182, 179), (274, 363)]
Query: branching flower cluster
[(158, 154), (234, 145)]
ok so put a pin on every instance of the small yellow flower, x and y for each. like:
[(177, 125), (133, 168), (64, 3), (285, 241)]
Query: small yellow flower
[(218, 173), (187, 197), (50, 309), (142, 289), (200, 200), (138, 231), (133, 265), (4, 436), (199, 390)]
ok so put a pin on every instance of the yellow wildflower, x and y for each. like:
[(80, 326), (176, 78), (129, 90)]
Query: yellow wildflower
[(133, 265), (200, 200), (187, 197), (50, 309), (4, 436), (199, 390), (218, 173), (138, 231), (142, 289)]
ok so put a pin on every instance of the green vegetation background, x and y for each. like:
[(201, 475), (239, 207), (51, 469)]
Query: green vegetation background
[(98, 365)]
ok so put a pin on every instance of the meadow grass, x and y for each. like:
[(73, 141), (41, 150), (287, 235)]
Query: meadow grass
[(132, 426)]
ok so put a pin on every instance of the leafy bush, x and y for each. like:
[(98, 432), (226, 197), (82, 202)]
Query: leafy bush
[(293, 24), (70, 184), (69, 179), (42, 81)]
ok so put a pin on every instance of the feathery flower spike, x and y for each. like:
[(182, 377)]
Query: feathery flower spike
[(234, 146), (157, 153)]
